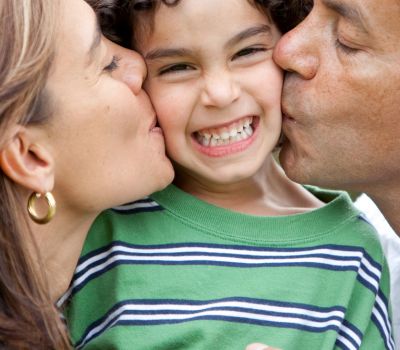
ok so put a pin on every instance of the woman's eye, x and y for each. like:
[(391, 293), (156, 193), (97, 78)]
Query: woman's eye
[(249, 51), (113, 65), (181, 67), (346, 49)]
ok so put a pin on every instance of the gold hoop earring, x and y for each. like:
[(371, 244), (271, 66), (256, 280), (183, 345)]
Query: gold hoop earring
[(51, 211)]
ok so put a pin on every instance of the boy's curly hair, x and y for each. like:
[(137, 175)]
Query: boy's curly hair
[(117, 16), (286, 14)]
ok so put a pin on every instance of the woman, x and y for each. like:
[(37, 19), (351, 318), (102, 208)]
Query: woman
[(75, 129)]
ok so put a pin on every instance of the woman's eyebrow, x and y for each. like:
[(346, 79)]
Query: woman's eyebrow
[(95, 44)]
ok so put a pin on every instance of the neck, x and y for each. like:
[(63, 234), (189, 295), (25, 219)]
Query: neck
[(267, 193), (389, 204), (60, 243)]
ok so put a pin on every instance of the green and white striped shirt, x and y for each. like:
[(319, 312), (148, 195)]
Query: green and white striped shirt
[(173, 272)]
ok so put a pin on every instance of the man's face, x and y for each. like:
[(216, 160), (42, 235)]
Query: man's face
[(341, 97)]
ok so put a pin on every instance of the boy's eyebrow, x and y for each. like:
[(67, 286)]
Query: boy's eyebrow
[(248, 33), (162, 53), (182, 52)]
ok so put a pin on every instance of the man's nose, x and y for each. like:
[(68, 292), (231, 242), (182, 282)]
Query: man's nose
[(297, 51)]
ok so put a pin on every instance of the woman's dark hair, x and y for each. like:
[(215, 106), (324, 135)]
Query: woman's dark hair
[(117, 17)]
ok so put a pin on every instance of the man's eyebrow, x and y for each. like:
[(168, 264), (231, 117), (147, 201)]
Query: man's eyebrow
[(95, 43), (248, 33), (352, 14)]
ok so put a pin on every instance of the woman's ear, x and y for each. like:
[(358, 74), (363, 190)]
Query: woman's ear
[(28, 162)]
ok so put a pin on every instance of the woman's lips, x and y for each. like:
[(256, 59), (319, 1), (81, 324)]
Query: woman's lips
[(155, 128)]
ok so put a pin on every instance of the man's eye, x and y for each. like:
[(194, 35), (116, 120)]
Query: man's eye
[(346, 49), (249, 51), (181, 67), (113, 65)]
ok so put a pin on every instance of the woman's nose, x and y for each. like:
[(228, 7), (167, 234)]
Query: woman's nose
[(132, 69)]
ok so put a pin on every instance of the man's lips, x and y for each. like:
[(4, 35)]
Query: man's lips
[(286, 116)]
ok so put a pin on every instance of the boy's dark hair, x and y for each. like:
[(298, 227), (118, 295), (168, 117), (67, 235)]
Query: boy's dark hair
[(117, 16)]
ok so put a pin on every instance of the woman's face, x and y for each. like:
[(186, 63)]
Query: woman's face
[(102, 130)]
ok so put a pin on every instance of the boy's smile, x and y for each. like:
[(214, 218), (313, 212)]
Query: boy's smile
[(226, 139)]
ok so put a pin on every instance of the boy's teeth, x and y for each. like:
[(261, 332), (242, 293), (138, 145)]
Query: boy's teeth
[(248, 130), (213, 142), (216, 136), (225, 134), (225, 138), (204, 141)]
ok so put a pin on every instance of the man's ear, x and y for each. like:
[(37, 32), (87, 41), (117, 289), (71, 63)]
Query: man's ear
[(28, 162)]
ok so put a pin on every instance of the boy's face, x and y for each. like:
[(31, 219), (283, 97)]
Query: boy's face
[(215, 88)]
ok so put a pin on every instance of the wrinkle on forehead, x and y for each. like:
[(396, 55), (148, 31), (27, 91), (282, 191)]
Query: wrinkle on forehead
[(350, 11)]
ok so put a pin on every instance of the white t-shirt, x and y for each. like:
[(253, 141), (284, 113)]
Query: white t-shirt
[(391, 245)]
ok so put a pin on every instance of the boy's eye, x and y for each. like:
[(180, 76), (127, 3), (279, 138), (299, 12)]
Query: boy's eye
[(113, 65), (249, 51), (178, 67)]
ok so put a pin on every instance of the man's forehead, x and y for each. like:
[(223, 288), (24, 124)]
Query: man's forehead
[(357, 8), (375, 17), (350, 10)]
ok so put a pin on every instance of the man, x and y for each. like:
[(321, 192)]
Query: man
[(341, 104), (341, 99)]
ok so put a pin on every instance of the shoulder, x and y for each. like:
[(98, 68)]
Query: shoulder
[(115, 223)]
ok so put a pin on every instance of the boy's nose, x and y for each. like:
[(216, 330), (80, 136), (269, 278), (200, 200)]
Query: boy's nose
[(220, 90)]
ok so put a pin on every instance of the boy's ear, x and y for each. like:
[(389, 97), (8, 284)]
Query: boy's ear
[(27, 162)]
